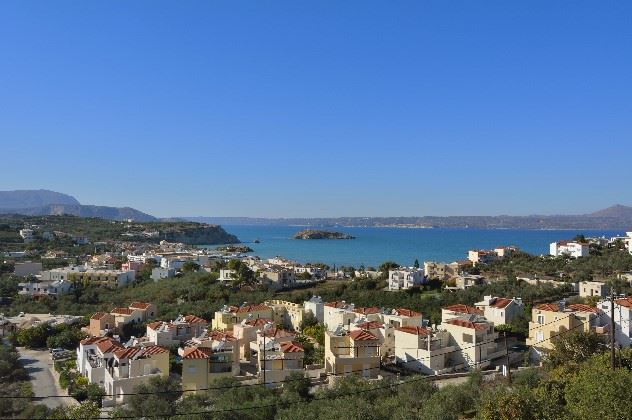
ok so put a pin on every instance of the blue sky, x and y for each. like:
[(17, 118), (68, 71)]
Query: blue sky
[(328, 108)]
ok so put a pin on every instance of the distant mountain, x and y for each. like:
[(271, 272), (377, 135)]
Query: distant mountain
[(45, 202), (22, 199), (617, 210), (616, 218)]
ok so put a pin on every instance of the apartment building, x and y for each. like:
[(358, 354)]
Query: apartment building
[(569, 248), (94, 354), (337, 314), (458, 311), (44, 288), (501, 310), (405, 278), (84, 275), (352, 353), (423, 350), (130, 367), (183, 328), (622, 319), (279, 361), (402, 317), (102, 323), (277, 278), (288, 314), (215, 355), (246, 333), (228, 316), (442, 271), (551, 319), (474, 340)]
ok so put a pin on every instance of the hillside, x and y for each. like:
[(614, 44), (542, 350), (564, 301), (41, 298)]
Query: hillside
[(615, 217), (99, 229), (45, 202), (22, 199)]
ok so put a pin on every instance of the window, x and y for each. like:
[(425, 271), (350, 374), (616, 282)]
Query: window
[(540, 319), (539, 336), (467, 338)]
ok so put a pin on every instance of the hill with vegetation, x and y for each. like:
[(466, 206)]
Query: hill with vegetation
[(321, 234), (98, 229), (45, 202)]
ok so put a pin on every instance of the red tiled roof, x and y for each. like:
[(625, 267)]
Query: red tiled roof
[(362, 335), (626, 302), (99, 315), (406, 312), (464, 309), (367, 310), (549, 307), (579, 307), (291, 347), (221, 335), (257, 322), (336, 304), (192, 319), (500, 302), (138, 352), (370, 325), (421, 331), (108, 346), (155, 325), (93, 340), (252, 308), (277, 332), (139, 305), (196, 353), (122, 311), (468, 324)]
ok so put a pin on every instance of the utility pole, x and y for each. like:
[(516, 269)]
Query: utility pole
[(613, 360), (507, 358), (264, 357)]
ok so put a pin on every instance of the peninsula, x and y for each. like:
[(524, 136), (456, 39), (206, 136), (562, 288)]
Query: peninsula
[(321, 234)]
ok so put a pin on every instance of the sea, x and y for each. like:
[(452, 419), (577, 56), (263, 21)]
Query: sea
[(374, 245)]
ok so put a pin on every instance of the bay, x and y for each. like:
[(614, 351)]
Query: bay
[(373, 246)]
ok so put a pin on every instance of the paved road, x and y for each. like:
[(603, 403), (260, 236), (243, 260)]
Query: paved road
[(40, 368)]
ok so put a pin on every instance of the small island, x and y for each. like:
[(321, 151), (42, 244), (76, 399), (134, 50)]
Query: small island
[(240, 249), (321, 234)]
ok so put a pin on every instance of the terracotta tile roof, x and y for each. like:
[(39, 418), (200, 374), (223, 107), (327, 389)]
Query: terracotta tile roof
[(122, 311), (277, 332), (337, 304), (257, 322), (548, 307), (362, 335), (406, 312), (370, 325), (420, 331), (464, 309), (139, 352), (468, 324), (626, 302), (108, 346), (221, 335), (94, 340), (192, 319), (99, 315), (501, 302), (582, 308), (196, 353), (367, 310), (155, 325), (291, 347), (139, 305), (253, 308)]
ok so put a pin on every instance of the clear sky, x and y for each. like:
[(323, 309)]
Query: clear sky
[(322, 108)]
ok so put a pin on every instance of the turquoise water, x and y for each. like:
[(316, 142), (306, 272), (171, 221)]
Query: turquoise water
[(373, 246)]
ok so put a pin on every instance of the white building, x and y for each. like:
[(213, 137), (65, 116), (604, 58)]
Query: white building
[(423, 350), (226, 275), (316, 306), (51, 288), (593, 288), (405, 278), (570, 248), (27, 235), (159, 273), (629, 241), (501, 310), (622, 319)]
